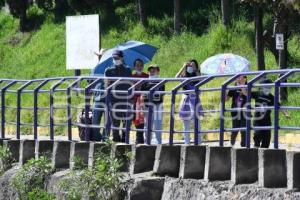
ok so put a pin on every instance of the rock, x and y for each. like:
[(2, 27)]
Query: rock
[(7, 192), (150, 188)]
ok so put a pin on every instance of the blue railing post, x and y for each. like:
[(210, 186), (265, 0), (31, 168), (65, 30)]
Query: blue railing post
[(172, 111), (248, 103), (222, 113), (3, 90), (128, 123), (35, 108), (18, 123), (277, 107), (108, 109), (52, 90), (69, 110), (197, 133), (150, 110)]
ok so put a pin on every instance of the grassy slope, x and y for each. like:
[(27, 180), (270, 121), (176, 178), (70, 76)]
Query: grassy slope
[(41, 53)]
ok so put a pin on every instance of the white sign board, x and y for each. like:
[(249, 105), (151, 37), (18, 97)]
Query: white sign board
[(82, 40), (279, 41)]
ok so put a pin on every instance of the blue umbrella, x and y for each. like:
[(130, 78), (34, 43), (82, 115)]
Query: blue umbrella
[(132, 50), (225, 64)]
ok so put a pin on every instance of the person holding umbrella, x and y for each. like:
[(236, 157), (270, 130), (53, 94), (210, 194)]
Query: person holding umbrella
[(187, 104), (118, 101)]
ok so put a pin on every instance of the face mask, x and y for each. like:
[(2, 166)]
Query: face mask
[(154, 76), (266, 91), (189, 69), (138, 72), (117, 62)]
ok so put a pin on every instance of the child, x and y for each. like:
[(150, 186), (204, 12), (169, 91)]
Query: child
[(263, 98), (138, 102), (157, 102)]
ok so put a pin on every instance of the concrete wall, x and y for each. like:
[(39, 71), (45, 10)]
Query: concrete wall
[(270, 168)]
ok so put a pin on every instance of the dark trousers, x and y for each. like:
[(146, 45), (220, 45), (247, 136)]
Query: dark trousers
[(140, 134), (97, 116), (238, 123), (118, 117), (262, 138)]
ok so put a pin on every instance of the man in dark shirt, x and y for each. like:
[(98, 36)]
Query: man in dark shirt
[(263, 99), (119, 100)]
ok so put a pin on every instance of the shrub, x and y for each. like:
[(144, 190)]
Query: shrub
[(31, 177), (6, 159)]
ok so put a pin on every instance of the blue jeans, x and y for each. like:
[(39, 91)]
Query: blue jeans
[(157, 118), (187, 129)]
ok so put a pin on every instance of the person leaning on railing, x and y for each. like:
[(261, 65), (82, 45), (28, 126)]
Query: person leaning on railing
[(118, 101), (138, 102), (187, 105), (157, 102)]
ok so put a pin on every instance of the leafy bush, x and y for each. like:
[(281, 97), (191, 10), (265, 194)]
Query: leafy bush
[(102, 181), (6, 159), (40, 195), (31, 177)]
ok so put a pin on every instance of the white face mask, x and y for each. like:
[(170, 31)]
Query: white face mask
[(117, 62), (189, 69), (154, 76), (266, 91), (138, 72)]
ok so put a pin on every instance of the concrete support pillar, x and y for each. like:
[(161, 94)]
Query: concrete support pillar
[(293, 172), (122, 152), (14, 147), (143, 157), (272, 168), (192, 162), (167, 160), (44, 148), (27, 151), (79, 150), (218, 164), (244, 166), (61, 154)]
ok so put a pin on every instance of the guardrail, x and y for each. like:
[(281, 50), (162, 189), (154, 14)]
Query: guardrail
[(84, 86)]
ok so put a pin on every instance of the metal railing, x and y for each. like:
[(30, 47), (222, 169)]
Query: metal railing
[(84, 87)]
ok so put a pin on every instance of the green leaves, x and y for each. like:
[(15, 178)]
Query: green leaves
[(31, 177), (6, 159)]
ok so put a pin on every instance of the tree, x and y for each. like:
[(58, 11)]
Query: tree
[(225, 6), (2, 3), (18, 9), (259, 40), (143, 12), (177, 18)]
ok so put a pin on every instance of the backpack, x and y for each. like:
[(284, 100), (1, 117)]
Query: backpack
[(81, 123)]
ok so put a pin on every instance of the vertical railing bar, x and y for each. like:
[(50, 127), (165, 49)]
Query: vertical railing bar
[(87, 98), (172, 111), (52, 90), (35, 108), (150, 110), (69, 111), (248, 103), (107, 110), (19, 107), (222, 113), (3, 90), (130, 90), (197, 100), (277, 107)]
